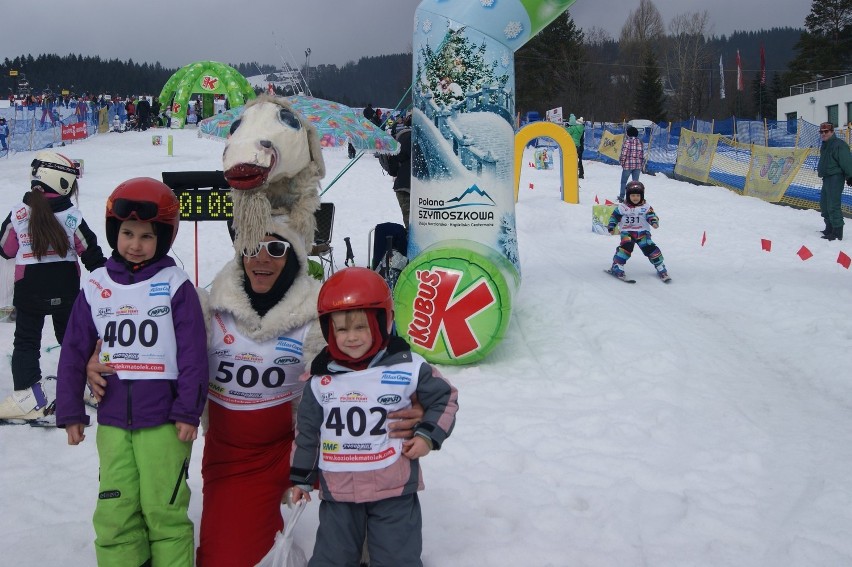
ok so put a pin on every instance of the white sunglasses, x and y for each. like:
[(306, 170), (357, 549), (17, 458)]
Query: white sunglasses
[(275, 248)]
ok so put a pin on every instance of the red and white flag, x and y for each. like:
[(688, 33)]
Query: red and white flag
[(740, 85), (762, 66)]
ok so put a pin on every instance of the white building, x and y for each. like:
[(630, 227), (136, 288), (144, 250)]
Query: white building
[(825, 100)]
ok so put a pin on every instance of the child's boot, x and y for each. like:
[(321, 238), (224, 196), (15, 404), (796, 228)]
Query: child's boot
[(24, 404), (617, 271), (663, 273)]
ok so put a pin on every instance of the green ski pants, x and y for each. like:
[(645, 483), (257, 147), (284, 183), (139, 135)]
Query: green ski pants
[(143, 498)]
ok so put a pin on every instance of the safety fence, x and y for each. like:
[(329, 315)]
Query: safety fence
[(772, 160), (39, 127)]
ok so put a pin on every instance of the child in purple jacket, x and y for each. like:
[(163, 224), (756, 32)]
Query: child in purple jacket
[(147, 314)]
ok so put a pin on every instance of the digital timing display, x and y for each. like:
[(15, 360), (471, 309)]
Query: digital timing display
[(205, 204)]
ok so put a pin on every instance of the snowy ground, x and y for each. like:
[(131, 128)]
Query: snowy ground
[(703, 423)]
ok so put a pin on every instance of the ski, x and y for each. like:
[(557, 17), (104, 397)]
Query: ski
[(620, 278)]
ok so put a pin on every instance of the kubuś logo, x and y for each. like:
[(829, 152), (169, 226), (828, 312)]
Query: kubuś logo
[(441, 308)]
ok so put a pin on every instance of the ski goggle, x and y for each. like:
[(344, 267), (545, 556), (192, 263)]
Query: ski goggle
[(37, 163), (275, 248), (126, 209)]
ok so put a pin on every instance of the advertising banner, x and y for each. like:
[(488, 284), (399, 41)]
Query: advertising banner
[(772, 170), (695, 154), (462, 238), (610, 145), (76, 131)]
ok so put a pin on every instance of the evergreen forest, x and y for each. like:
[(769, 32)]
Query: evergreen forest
[(664, 72)]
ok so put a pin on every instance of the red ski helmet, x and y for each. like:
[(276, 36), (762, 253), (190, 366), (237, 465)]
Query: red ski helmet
[(355, 288), (147, 200)]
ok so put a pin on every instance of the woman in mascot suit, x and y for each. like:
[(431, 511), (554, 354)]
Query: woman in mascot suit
[(262, 334)]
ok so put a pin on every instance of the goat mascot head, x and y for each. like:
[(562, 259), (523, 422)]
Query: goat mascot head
[(273, 162)]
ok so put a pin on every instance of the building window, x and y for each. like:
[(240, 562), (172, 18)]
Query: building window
[(792, 121), (848, 112), (832, 115)]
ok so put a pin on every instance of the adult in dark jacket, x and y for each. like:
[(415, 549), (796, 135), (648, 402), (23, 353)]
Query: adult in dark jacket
[(143, 109), (835, 165), (400, 168)]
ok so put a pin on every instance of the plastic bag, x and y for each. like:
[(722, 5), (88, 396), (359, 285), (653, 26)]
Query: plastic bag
[(284, 552)]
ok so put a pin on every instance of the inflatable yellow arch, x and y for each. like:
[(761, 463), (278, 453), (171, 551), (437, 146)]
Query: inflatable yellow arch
[(570, 183)]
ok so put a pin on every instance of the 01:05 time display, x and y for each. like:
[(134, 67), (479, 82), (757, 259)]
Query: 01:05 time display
[(205, 204)]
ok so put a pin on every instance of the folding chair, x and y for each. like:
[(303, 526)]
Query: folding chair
[(388, 243), (322, 248)]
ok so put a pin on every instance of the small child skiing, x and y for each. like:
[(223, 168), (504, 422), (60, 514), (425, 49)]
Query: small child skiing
[(635, 218), (148, 315), (368, 481), (45, 233)]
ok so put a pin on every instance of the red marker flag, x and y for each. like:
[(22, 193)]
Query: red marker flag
[(703, 238), (766, 244), (531, 185), (804, 253), (843, 260), (608, 202), (596, 200)]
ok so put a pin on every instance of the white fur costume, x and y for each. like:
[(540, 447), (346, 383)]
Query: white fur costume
[(297, 307), (273, 161)]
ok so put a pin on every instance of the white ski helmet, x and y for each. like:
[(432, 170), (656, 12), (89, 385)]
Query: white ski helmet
[(54, 171)]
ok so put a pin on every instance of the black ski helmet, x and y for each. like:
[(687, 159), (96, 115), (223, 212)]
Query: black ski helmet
[(634, 188)]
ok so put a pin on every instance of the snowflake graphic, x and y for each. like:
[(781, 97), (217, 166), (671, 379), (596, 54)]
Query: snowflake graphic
[(427, 25), (504, 59), (509, 239), (513, 30), (487, 3)]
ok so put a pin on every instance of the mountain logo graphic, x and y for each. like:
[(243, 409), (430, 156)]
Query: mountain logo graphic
[(473, 196)]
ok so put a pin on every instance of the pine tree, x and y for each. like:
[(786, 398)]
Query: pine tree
[(825, 48), (764, 104), (547, 68), (458, 67), (648, 98)]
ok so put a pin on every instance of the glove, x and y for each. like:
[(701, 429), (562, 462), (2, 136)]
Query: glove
[(613, 231), (849, 181), (655, 225)]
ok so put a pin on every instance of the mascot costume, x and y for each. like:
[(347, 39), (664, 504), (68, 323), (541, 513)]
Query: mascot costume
[(273, 161)]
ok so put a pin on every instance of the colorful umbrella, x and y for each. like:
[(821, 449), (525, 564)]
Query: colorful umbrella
[(336, 124), (219, 126)]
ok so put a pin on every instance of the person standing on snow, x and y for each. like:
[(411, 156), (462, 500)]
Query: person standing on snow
[(835, 165), (45, 234), (4, 133), (577, 131), (632, 157), (147, 314)]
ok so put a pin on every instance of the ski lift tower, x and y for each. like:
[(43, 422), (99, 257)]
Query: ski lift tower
[(291, 75)]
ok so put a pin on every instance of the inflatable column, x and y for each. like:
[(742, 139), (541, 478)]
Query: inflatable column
[(454, 299)]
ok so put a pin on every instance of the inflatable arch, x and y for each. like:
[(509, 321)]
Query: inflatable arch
[(207, 78), (453, 300), (570, 182)]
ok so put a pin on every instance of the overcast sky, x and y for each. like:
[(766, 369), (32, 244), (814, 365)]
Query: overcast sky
[(176, 32)]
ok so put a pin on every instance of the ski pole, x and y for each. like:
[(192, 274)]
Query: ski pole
[(350, 256)]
